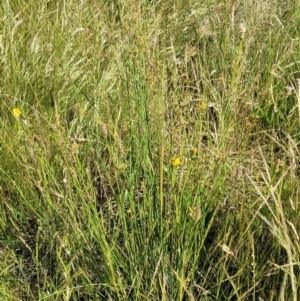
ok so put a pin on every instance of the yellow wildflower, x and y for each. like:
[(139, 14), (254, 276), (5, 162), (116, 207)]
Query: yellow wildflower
[(193, 151), (204, 106), (74, 146), (175, 161), (16, 112)]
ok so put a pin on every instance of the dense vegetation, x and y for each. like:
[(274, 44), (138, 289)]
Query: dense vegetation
[(149, 150)]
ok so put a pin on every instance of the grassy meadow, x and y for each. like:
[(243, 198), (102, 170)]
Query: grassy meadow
[(149, 150)]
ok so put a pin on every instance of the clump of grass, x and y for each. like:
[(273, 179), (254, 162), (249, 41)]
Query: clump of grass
[(149, 151)]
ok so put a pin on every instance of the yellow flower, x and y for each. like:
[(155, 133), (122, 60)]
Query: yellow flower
[(16, 112), (204, 106), (193, 151), (175, 161), (74, 146)]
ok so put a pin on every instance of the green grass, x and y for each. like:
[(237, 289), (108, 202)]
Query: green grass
[(91, 206)]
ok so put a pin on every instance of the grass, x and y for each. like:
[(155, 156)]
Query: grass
[(149, 150)]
